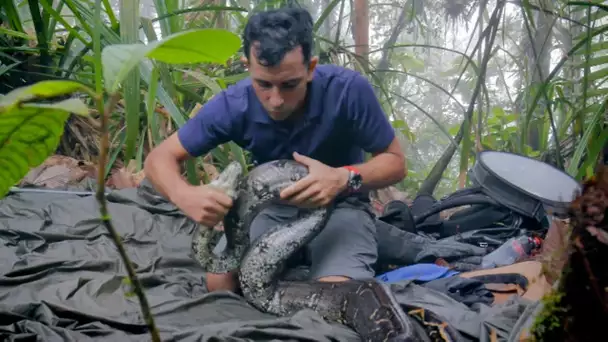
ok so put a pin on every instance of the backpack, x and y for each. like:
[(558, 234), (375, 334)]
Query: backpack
[(486, 222)]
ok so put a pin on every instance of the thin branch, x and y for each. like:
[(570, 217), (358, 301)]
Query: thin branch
[(105, 217)]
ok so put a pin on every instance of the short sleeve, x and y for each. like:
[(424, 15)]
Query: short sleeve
[(372, 130), (213, 125)]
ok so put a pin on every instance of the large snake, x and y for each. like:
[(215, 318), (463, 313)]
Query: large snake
[(367, 306)]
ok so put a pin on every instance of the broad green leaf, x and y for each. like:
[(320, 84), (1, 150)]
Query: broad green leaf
[(119, 59), (55, 88), (493, 121), (498, 112), (197, 46), (194, 46), (74, 106), (42, 89), (28, 135), (510, 118)]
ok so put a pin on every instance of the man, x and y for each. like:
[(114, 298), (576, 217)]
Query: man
[(322, 116)]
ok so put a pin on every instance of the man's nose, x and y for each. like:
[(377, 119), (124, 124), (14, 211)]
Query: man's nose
[(275, 100)]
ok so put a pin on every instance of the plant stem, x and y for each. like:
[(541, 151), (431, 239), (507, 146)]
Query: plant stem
[(105, 216)]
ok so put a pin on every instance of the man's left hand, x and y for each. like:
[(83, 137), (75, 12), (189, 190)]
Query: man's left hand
[(322, 184)]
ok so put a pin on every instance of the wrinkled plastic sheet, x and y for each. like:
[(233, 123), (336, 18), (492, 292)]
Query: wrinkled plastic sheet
[(61, 279)]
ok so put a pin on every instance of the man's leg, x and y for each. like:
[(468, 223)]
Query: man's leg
[(270, 217), (266, 219), (347, 247)]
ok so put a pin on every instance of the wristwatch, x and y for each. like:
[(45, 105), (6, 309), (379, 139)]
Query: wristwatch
[(354, 179)]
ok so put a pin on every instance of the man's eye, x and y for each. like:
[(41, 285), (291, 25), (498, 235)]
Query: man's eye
[(265, 84), (288, 86)]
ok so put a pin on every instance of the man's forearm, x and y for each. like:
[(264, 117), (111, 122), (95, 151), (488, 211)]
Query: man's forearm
[(165, 174), (382, 170)]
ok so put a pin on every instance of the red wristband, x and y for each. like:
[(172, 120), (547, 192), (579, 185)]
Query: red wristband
[(352, 168)]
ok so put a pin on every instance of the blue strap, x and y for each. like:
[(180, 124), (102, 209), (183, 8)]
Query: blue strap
[(420, 272)]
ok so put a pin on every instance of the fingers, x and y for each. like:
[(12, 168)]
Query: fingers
[(214, 206), (306, 195), (221, 198), (303, 159), (297, 187), (322, 199), (211, 213)]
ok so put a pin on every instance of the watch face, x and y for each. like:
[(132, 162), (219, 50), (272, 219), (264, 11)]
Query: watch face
[(355, 181)]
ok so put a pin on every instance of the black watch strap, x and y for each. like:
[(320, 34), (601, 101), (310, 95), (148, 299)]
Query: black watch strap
[(354, 179)]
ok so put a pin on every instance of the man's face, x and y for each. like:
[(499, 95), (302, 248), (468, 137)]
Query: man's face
[(281, 88)]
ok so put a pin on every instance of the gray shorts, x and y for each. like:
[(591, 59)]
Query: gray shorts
[(346, 247)]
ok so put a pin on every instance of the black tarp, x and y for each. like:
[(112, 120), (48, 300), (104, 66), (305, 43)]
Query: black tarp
[(61, 279)]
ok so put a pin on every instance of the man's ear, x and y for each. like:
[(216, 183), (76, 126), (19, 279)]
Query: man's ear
[(311, 66), (245, 61)]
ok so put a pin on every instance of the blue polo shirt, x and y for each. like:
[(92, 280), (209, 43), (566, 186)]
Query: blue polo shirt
[(342, 120)]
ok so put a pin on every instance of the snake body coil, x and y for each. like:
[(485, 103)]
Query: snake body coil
[(367, 306)]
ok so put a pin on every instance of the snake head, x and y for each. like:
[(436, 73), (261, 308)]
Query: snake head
[(229, 179)]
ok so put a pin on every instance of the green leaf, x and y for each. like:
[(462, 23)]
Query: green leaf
[(29, 134), (454, 130), (6, 68), (510, 118), (74, 106), (197, 46), (205, 80), (398, 123), (493, 121), (498, 112), (119, 59), (596, 75), (42, 89), (412, 63), (126, 282), (194, 46), (236, 77), (14, 33)]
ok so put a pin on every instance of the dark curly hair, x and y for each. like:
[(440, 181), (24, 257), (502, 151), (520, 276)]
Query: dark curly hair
[(276, 32)]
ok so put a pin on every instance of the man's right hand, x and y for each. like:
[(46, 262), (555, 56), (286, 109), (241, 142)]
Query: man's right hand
[(204, 204)]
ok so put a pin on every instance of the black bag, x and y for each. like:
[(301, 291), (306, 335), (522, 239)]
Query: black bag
[(399, 214), (423, 217)]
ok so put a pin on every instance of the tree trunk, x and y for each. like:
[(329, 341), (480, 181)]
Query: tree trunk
[(539, 58), (578, 309), (361, 29)]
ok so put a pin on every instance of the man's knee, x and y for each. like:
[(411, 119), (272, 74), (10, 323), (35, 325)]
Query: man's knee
[(334, 279), (221, 282)]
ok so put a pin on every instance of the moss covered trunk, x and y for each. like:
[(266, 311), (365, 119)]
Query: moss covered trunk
[(577, 310)]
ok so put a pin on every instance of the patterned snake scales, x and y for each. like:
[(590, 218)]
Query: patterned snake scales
[(367, 306)]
